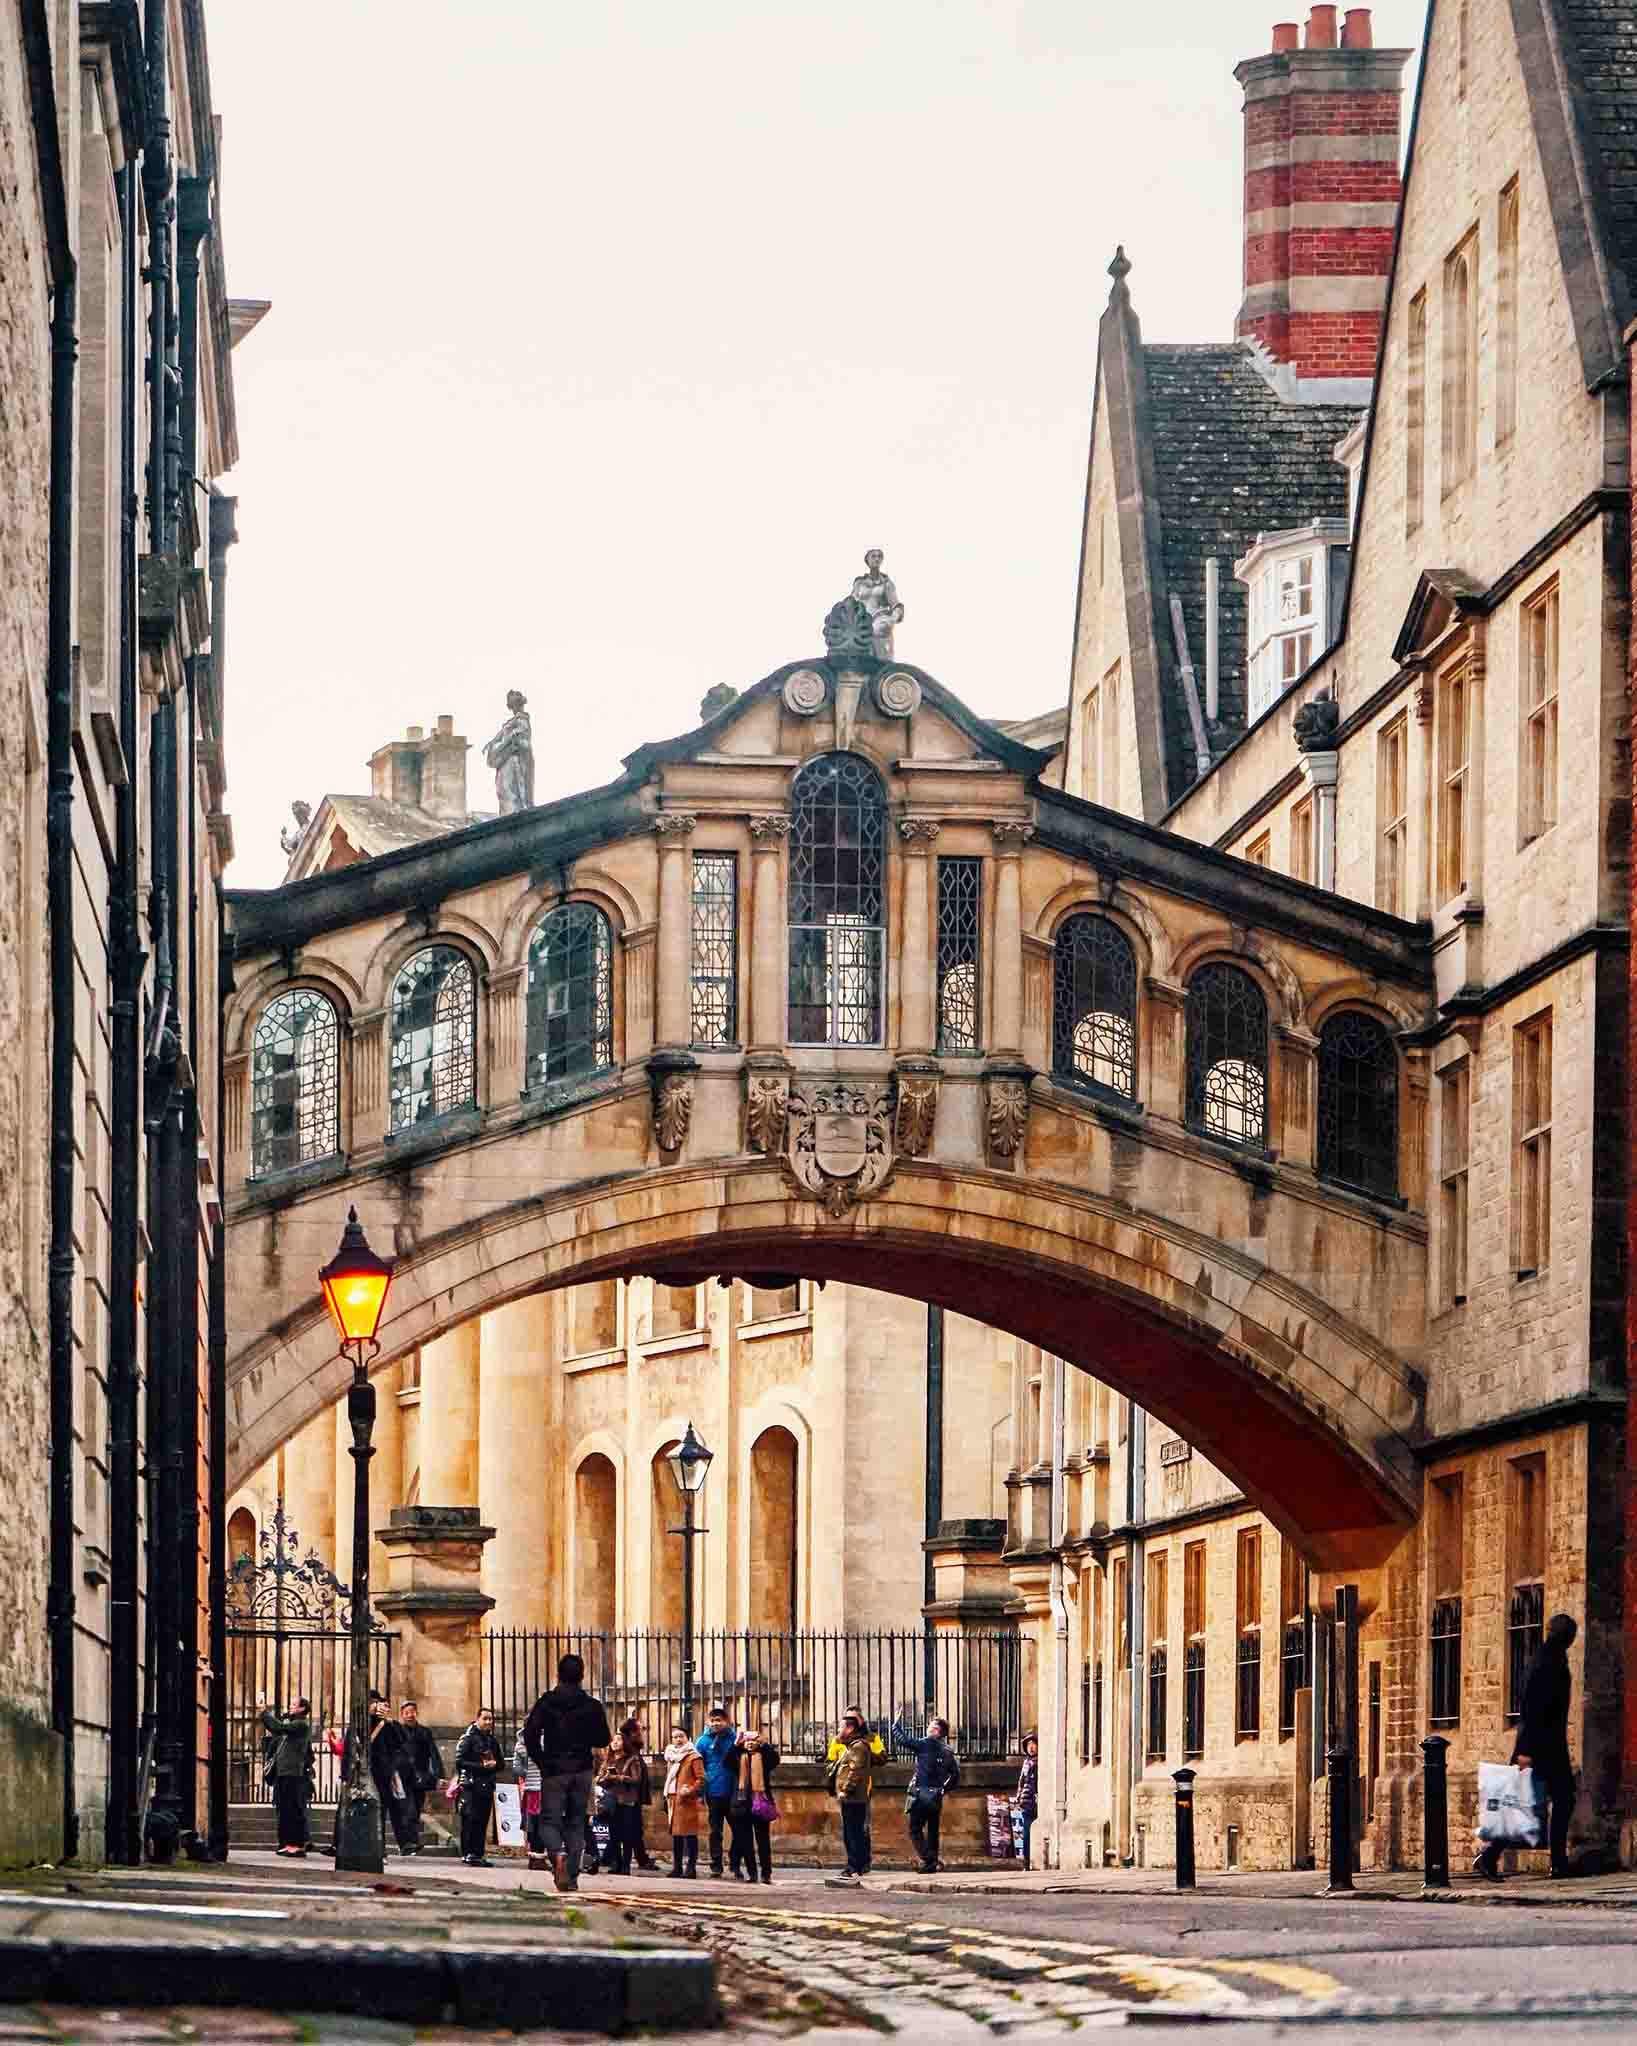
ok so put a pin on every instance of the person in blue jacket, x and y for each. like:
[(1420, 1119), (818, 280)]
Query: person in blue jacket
[(717, 1747), (936, 1771)]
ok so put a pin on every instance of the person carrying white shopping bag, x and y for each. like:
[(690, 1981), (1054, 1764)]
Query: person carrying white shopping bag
[(1512, 1801)]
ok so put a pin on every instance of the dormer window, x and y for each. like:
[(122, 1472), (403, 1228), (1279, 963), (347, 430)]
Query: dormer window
[(1290, 577)]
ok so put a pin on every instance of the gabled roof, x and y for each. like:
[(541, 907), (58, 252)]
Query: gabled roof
[(373, 826), (1440, 595)]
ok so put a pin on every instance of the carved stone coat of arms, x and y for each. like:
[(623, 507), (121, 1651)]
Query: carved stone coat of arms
[(839, 1141)]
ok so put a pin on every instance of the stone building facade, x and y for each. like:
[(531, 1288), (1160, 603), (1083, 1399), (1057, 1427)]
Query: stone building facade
[(1447, 739), (119, 413)]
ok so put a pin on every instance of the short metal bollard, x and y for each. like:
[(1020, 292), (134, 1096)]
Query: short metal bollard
[(1184, 1780), (1435, 1813), (1339, 1768)]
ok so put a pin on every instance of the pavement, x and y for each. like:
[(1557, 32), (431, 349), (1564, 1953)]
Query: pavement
[(929, 1961)]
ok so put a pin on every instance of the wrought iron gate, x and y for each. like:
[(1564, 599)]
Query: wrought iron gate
[(289, 1621)]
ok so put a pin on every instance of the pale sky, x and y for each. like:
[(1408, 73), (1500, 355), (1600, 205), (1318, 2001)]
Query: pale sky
[(606, 337)]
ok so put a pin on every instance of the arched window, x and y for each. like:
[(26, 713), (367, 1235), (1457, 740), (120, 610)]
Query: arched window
[(1228, 1056), (1094, 1006), (838, 863), (434, 1037), (570, 996), (1358, 1104), (295, 1083)]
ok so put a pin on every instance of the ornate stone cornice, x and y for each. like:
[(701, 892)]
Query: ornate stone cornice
[(767, 830), (1011, 834), (918, 830), (674, 823)]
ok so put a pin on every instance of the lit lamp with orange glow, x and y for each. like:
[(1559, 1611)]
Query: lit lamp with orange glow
[(355, 1284)]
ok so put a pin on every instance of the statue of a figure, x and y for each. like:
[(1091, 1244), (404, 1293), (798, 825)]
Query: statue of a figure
[(876, 591), (511, 754), (289, 840)]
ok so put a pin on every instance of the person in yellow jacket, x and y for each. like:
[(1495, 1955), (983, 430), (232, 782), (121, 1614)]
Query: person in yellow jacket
[(850, 1764)]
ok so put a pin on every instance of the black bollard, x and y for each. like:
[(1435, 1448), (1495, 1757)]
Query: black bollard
[(1435, 1813), (1184, 1780), (1339, 1767)]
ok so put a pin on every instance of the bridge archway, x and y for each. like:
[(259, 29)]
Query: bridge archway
[(1303, 1408)]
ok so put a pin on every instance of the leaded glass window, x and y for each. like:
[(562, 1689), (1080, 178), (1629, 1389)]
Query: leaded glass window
[(434, 1038), (569, 996), (713, 988), (960, 906), (838, 861), (1094, 1006), (1228, 1056), (1358, 1103), (295, 1083)]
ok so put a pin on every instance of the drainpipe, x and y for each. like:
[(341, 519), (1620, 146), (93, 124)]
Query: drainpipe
[(156, 186), (1190, 689), (123, 1843), (1213, 638), (1059, 1601), (1136, 1513), (1628, 1772), (934, 1489)]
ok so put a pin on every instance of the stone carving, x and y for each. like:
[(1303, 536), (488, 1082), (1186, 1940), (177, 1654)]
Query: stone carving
[(674, 823), (769, 828), (839, 1142), (848, 632), (878, 594), (673, 1110), (289, 840), (897, 695), (1008, 1114), (916, 1113), (1011, 833), (767, 1097), (716, 700), (804, 692), (912, 828), (1316, 725), (511, 754)]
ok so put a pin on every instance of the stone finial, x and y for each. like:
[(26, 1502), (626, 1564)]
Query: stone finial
[(1119, 270), (716, 700)]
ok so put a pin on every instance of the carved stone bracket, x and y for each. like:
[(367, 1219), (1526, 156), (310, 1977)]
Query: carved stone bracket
[(674, 823), (915, 1109), (769, 828), (671, 1077), (1006, 1113), (767, 1102), (838, 1147), (1012, 834), (918, 830)]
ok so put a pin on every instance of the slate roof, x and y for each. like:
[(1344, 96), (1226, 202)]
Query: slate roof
[(1600, 39), (374, 825), (1231, 460)]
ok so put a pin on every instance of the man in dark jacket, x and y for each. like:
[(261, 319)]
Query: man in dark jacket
[(936, 1770), (389, 1771), (1542, 1744), (422, 1768), (293, 1734), (476, 1760), (564, 1735)]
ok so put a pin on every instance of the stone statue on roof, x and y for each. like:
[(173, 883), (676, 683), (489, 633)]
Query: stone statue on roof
[(878, 594), (289, 840), (511, 754)]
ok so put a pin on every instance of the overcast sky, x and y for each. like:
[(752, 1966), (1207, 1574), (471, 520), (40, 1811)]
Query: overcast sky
[(605, 338)]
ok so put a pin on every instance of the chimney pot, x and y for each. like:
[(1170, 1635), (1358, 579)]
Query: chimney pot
[(1286, 36), (1356, 33), (1321, 28), (414, 732), (446, 726)]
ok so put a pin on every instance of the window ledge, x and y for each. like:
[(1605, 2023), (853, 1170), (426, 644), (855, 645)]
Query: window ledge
[(436, 1131), (1104, 1102), (775, 1325), (273, 1186), (592, 1360), (557, 1095), (683, 1339)]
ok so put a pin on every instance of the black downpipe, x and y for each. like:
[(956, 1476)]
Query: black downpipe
[(123, 1838), (156, 185), (60, 898), (934, 1488)]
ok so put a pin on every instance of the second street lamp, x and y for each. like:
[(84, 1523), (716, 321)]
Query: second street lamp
[(355, 1284), (690, 1463)]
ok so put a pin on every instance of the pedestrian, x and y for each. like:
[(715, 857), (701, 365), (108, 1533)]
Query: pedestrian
[(476, 1760), (527, 1772), (851, 1764), (621, 1774), (936, 1771), (1027, 1799), (684, 1801), (564, 1734), (644, 1861), (717, 1747), (753, 1811), (389, 1772), (422, 1768), (1542, 1745), (293, 1734)]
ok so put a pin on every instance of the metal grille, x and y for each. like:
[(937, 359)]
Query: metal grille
[(1446, 1662), (838, 840), (1156, 1702), (434, 1037), (1085, 1712), (295, 1083), (1292, 1674), (570, 997), (1248, 1685), (1358, 1104), (714, 983), (1193, 1699), (1097, 1710), (960, 907), (1228, 1056), (800, 1683), (1525, 1629), (1094, 1006)]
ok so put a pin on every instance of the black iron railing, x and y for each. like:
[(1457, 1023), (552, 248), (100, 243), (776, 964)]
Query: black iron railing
[(799, 1683), (1525, 1630), (1446, 1662)]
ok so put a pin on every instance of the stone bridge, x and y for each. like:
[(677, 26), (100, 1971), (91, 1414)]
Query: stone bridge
[(838, 986)]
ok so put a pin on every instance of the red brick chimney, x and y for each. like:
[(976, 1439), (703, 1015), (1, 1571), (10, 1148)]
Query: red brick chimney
[(1321, 193)]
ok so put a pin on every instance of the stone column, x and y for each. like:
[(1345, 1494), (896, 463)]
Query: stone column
[(514, 1364), (449, 1417), (1165, 1033), (917, 967), (436, 1602), (767, 933), (309, 1487), (1292, 1110), (673, 828), (1007, 949)]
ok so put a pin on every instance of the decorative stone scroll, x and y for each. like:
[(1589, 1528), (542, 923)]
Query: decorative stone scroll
[(1011, 834), (897, 695), (674, 824), (767, 1101), (804, 692), (915, 1112), (1006, 1115), (912, 829), (770, 827), (839, 1142)]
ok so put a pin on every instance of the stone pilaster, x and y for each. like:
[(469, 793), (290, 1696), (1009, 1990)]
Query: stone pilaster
[(1006, 948), (449, 1417), (767, 933), (917, 971), (673, 829), (436, 1601)]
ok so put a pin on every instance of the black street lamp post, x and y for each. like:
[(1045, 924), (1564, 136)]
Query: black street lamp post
[(355, 1283), (690, 1464)]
